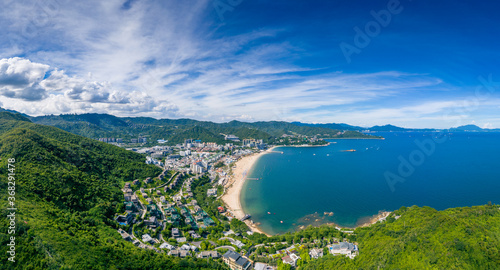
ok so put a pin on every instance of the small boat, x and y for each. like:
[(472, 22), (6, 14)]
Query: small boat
[(350, 150), (268, 213), (314, 154), (327, 155), (281, 221)]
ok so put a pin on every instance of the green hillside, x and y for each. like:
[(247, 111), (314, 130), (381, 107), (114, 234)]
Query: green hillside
[(423, 238), (176, 130), (67, 191)]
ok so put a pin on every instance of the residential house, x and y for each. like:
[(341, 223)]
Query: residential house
[(263, 266), (147, 238), (148, 180), (151, 222), (130, 206), (174, 253), (125, 219), (235, 261), (344, 248), (125, 235), (316, 253), (184, 253), (181, 240), (167, 246), (208, 254), (175, 233), (212, 192), (291, 259)]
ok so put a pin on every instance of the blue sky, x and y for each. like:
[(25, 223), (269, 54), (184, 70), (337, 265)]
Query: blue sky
[(408, 63)]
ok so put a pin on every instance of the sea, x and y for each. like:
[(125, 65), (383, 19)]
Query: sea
[(350, 181)]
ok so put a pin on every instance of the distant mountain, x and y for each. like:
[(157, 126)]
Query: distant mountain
[(387, 128), (473, 128), (12, 111), (340, 126), (467, 128), (176, 130)]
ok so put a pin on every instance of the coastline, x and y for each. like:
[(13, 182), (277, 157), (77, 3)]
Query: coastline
[(232, 195), (382, 215), (365, 222), (233, 188), (355, 138)]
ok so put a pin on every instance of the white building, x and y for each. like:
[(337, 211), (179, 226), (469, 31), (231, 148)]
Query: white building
[(344, 248), (291, 259), (316, 253)]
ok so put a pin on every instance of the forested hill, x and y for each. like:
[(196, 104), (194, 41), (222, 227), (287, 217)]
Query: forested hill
[(67, 191), (423, 238), (104, 125)]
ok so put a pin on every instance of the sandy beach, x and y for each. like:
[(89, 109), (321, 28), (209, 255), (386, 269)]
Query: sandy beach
[(382, 215), (233, 188), (233, 191)]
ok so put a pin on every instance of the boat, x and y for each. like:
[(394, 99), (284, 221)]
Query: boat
[(268, 213), (281, 221), (350, 150)]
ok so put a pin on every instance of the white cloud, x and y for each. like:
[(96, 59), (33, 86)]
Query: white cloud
[(20, 78), (23, 83), (165, 59)]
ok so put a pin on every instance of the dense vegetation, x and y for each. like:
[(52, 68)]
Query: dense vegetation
[(423, 238), (176, 131), (67, 191)]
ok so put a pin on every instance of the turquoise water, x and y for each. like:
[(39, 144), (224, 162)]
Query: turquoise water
[(303, 183)]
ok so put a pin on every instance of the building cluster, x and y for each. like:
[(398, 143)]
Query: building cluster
[(139, 140), (297, 139), (120, 140), (171, 203), (111, 140), (154, 161)]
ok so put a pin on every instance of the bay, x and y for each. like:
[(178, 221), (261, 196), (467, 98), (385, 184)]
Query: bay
[(297, 185)]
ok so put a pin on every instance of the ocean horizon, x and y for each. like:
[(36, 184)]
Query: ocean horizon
[(301, 186)]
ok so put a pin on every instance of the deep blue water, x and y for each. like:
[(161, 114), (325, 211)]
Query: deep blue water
[(464, 170)]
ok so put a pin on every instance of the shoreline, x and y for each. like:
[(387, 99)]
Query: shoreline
[(234, 187), (355, 138), (382, 215), (232, 195)]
